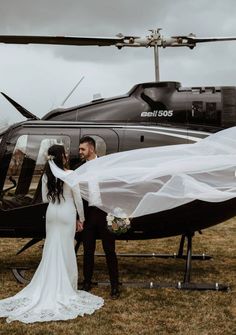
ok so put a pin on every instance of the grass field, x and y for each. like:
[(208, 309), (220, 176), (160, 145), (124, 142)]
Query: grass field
[(145, 311)]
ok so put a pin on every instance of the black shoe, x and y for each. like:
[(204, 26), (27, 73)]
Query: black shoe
[(115, 293), (86, 286)]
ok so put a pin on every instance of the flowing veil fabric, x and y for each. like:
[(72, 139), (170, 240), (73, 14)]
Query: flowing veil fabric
[(144, 181)]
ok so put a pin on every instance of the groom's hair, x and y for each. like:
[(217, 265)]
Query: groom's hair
[(89, 140)]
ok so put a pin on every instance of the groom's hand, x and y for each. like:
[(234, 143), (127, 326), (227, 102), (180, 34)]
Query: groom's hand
[(79, 226)]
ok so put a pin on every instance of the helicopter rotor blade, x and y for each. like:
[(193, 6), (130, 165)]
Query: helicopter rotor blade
[(119, 40), (60, 40), (20, 108), (153, 40), (191, 40)]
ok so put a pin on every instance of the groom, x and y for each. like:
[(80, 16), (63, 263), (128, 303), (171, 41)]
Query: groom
[(95, 225)]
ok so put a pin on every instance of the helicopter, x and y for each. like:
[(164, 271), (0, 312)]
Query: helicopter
[(150, 114)]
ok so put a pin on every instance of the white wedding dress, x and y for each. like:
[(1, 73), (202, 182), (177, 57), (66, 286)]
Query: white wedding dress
[(52, 293)]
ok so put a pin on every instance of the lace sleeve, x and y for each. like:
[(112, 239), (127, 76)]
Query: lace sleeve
[(44, 189), (78, 202)]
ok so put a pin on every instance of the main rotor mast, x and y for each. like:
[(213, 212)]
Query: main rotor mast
[(120, 41)]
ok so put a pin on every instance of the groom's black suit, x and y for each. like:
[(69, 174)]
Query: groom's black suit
[(95, 226)]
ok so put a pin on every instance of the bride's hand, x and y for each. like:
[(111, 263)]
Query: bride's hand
[(79, 226)]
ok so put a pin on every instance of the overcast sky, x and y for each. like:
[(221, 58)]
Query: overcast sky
[(40, 77)]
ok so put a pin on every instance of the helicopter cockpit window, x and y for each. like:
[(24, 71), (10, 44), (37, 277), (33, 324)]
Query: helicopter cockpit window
[(211, 112), (197, 113), (100, 145), (17, 159), (204, 113), (23, 182)]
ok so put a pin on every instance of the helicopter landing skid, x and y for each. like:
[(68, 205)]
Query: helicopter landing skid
[(175, 255), (19, 273), (185, 285), (179, 285), (200, 257)]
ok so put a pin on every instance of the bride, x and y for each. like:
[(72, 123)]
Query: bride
[(52, 293)]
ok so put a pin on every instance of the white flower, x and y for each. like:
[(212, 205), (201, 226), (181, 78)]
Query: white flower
[(109, 222), (110, 217), (127, 221), (117, 224)]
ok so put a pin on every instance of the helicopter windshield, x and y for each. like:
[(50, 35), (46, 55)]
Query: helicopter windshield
[(22, 186)]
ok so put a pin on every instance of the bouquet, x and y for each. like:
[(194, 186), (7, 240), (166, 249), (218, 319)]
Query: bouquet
[(117, 225)]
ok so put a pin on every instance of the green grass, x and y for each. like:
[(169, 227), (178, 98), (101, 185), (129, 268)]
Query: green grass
[(144, 311)]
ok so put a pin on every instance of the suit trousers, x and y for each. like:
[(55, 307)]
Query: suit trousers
[(96, 227)]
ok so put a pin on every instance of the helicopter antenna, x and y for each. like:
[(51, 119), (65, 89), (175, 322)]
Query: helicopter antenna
[(74, 88)]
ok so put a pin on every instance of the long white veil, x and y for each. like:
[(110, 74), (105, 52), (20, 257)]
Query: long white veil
[(144, 181)]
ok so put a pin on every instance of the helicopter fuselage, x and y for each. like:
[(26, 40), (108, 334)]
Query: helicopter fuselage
[(151, 114)]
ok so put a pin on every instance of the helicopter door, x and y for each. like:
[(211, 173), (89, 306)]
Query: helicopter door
[(26, 167), (107, 141)]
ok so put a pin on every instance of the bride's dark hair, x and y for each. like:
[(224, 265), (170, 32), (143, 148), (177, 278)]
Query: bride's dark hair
[(55, 185)]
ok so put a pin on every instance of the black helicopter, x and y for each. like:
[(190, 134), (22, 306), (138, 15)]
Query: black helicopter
[(150, 114)]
